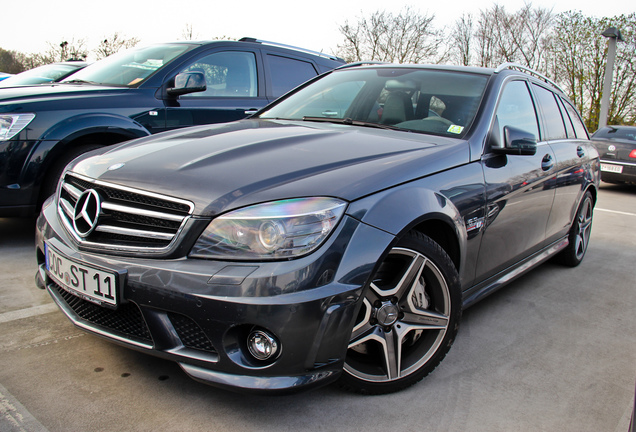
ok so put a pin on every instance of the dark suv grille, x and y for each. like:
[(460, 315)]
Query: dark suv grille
[(126, 321), (126, 218)]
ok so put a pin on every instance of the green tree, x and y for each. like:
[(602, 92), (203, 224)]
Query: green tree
[(10, 62), (577, 58)]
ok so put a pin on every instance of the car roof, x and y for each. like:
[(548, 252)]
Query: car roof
[(264, 43)]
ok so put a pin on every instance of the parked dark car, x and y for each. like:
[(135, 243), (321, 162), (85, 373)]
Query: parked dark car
[(338, 233), (617, 147), (53, 72), (134, 94)]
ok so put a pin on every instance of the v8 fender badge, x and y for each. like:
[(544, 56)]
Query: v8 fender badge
[(116, 166)]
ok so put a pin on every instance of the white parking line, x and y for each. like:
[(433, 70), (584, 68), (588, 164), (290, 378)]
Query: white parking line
[(616, 212), (14, 417), (27, 313)]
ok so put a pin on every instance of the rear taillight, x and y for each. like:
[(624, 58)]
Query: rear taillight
[(633, 154)]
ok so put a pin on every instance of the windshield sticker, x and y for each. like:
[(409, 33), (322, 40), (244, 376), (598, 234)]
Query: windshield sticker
[(455, 129)]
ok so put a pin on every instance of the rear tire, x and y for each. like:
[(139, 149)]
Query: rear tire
[(579, 235), (408, 320)]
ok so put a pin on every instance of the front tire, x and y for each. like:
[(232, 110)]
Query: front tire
[(408, 320)]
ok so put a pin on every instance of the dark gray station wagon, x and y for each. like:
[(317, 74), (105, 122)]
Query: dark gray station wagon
[(336, 235)]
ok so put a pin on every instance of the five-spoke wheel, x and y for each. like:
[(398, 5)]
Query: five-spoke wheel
[(408, 318)]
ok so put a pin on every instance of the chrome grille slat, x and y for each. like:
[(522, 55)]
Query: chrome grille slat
[(130, 220), (134, 233), (137, 211), (75, 192), (67, 207)]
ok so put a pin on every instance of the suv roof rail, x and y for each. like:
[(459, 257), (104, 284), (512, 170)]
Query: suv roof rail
[(529, 71), (295, 48), (361, 63)]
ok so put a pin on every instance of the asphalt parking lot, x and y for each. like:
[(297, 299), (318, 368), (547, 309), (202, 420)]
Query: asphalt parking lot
[(553, 351)]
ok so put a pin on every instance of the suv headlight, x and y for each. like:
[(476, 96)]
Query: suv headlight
[(12, 124), (275, 230)]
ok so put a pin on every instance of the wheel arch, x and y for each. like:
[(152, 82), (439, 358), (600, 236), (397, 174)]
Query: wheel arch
[(415, 208), (67, 136)]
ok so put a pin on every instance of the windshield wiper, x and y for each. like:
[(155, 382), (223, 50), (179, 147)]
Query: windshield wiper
[(78, 81), (349, 121)]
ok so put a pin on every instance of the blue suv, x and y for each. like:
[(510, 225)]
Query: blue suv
[(134, 94)]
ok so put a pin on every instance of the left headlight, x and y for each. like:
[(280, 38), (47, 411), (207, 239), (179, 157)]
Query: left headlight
[(275, 230), (12, 124)]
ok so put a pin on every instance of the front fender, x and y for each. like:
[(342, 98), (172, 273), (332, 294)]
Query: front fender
[(454, 198), (74, 127)]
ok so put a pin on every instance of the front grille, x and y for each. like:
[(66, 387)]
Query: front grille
[(191, 335), (124, 219), (125, 321)]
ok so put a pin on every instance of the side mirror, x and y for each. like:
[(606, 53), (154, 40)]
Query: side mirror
[(517, 142), (187, 82)]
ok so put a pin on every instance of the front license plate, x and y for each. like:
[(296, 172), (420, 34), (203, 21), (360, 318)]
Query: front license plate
[(88, 282), (611, 168)]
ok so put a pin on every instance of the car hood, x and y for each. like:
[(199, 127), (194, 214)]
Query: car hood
[(224, 167), (52, 91)]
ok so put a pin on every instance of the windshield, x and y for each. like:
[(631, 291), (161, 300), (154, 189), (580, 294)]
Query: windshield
[(129, 68), (42, 74), (432, 101)]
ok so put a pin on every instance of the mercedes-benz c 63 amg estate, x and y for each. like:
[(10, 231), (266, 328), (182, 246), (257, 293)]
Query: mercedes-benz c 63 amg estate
[(336, 235)]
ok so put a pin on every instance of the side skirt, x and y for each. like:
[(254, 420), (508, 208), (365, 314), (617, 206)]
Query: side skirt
[(484, 289)]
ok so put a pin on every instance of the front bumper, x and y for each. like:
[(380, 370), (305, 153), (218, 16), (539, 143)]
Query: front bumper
[(199, 313)]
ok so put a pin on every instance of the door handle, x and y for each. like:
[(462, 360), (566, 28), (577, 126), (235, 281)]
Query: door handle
[(251, 111), (547, 163), (580, 152)]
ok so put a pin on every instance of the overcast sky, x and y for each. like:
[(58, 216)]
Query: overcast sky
[(28, 25)]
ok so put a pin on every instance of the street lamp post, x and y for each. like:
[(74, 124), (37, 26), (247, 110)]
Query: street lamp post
[(613, 35)]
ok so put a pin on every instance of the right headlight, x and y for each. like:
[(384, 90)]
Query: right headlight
[(12, 124), (274, 230)]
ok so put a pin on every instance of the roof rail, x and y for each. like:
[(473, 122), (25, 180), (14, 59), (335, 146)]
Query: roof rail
[(361, 63), (532, 72), (316, 53)]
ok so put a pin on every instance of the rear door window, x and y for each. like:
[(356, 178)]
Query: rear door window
[(287, 73), (552, 120), (579, 127)]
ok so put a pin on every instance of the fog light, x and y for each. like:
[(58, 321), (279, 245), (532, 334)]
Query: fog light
[(262, 345)]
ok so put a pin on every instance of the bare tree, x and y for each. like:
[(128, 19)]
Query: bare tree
[(74, 50), (188, 32), (511, 37), (463, 39), (113, 44), (408, 37)]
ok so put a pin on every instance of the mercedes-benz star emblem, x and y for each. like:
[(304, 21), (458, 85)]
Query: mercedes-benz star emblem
[(86, 213)]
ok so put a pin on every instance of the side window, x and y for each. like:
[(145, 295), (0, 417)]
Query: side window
[(569, 129), (579, 127), (516, 109), (287, 73), (227, 74), (552, 119)]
